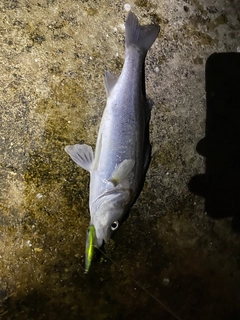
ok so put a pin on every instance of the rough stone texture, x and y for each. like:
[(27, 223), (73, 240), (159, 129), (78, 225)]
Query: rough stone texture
[(168, 260)]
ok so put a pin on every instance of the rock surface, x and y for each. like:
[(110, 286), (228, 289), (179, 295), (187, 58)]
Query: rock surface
[(168, 260)]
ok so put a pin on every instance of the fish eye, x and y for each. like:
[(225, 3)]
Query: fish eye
[(114, 225)]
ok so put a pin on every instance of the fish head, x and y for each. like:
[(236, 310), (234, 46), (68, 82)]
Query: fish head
[(108, 213), (106, 222), (97, 234)]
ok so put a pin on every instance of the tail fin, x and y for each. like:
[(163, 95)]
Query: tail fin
[(139, 36)]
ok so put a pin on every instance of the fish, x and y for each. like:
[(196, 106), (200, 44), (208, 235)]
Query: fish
[(123, 151)]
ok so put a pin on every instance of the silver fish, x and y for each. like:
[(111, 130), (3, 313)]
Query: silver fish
[(122, 155)]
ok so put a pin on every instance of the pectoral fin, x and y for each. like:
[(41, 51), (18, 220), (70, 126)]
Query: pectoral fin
[(82, 154), (122, 171)]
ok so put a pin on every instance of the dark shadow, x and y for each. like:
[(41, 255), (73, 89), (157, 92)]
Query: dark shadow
[(220, 185)]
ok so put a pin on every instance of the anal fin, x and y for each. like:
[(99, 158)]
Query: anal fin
[(109, 81)]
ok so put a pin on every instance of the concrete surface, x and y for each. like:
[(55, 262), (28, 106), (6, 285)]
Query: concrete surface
[(168, 260)]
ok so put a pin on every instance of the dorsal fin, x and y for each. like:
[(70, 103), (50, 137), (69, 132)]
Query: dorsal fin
[(109, 81)]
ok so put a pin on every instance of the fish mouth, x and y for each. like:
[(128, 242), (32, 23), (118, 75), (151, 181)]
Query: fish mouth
[(100, 243)]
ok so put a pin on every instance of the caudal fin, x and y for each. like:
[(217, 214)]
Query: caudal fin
[(139, 36)]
